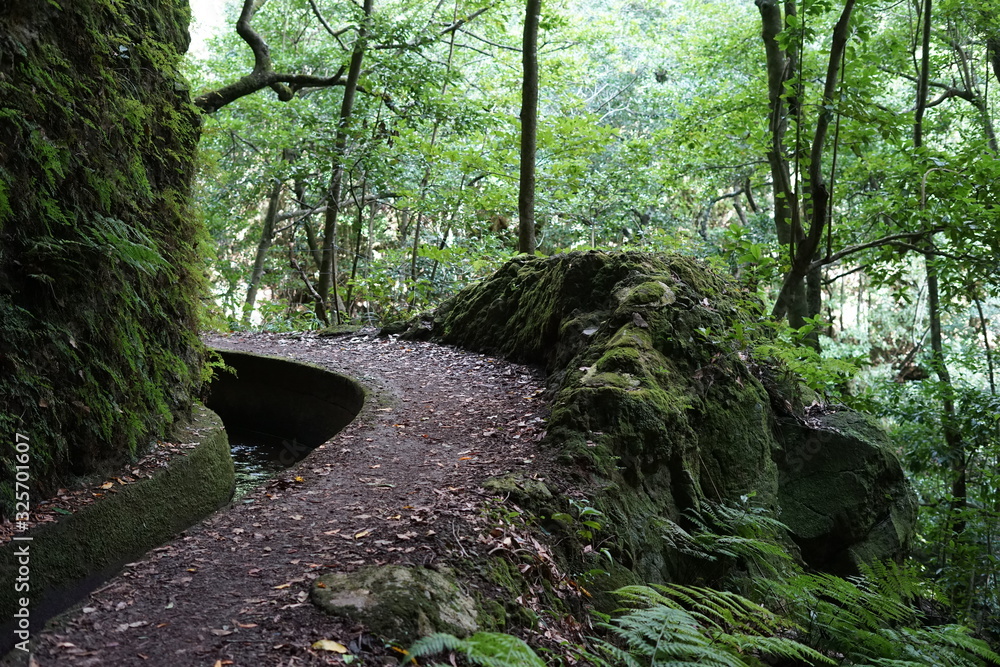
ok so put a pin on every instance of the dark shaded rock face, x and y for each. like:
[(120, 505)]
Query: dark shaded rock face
[(100, 273), (656, 395), (842, 492)]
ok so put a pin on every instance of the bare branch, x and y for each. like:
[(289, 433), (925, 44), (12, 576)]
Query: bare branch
[(427, 39), (333, 33), (486, 41), (893, 239)]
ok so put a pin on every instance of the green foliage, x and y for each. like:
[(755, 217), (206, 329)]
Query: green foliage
[(876, 618), (99, 271), (746, 535), (827, 375), (913, 411), (677, 625), (488, 649), (873, 619)]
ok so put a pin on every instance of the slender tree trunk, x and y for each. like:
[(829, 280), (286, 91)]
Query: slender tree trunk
[(328, 271), (794, 300), (359, 226), (993, 48), (984, 330), (778, 73), (529, 129), (315, 251), (370, 250), (266, 240), (952, 434)]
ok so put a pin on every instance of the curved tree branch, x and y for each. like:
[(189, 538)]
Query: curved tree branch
[(263, 74), (893, 239)]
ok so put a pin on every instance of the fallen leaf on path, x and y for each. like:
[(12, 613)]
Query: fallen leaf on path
[(329, 645)]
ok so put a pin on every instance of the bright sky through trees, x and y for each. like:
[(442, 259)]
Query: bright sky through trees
[(207, 16)]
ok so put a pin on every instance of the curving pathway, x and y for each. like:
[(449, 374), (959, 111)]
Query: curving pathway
[(399, 485)]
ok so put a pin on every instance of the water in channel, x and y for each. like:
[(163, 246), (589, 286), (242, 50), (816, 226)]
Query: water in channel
[(258, 457)]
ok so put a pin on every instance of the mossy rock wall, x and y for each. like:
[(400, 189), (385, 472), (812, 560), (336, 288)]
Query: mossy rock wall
[(99, 268), (656, 398)]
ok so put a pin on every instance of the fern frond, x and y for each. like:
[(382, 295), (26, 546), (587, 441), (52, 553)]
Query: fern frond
[(776, 647), (489, 649), (684, 625)]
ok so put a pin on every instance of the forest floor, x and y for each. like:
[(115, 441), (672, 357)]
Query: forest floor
[(400, 485)]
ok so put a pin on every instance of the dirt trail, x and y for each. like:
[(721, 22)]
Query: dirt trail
[(399, 485)]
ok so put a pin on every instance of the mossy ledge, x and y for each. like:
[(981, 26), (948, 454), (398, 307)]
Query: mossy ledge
[(71, 556), (658, 403)]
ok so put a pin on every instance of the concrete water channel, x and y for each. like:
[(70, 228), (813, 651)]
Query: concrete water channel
[(276, 411)]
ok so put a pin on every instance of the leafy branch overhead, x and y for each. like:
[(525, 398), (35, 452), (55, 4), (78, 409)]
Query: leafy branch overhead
[(287, 84), (263, 74)]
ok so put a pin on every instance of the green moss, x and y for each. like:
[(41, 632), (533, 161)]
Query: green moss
[(101, 537), (99, 271), (651, 293)]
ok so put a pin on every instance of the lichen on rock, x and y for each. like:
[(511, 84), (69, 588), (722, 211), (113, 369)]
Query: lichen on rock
[(397, 602), (664, 409)]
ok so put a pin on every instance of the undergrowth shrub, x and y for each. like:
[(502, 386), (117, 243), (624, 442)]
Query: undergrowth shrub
[(783, 616)]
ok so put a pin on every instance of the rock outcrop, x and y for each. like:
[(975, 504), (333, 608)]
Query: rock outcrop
[(658, 397), (399, 603)]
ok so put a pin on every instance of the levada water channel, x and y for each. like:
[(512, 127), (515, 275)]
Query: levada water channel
[(276, 411)]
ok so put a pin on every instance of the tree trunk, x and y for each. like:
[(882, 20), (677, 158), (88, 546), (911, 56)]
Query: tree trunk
[(778, 73), (266, 239), (328, 271), (794, 300), (358, 228), (952, 434), (529, 129)]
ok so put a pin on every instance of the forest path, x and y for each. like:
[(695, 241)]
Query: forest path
[(399, 485)]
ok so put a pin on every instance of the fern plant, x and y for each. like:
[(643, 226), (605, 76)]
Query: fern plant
[(488, 649), (803, 619), (680, 625), (872, 619), (741, 533)]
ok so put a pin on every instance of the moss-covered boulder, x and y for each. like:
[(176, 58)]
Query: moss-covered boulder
[(399, 603), (99, 265), (657, 398), (842, 492)]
